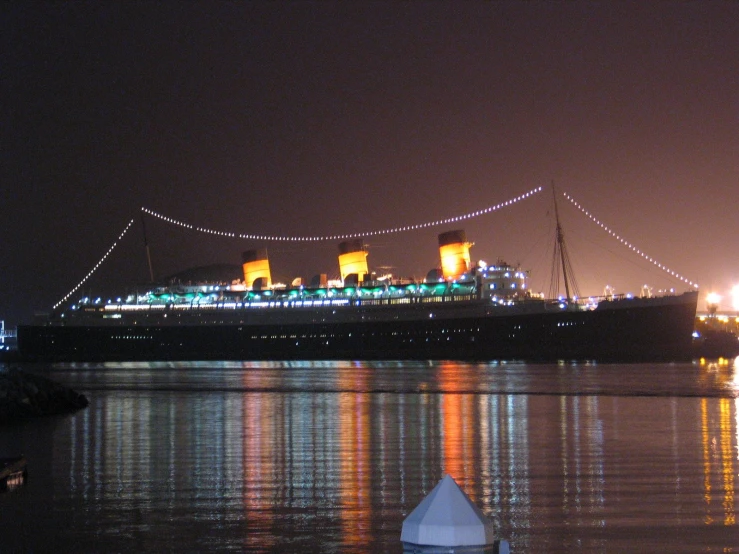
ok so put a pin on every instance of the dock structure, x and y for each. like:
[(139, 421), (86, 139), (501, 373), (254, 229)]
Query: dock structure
[(7, 336), (13, 472)]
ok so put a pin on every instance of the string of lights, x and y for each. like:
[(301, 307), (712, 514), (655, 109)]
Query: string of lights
[(401, 229), (94, 269), (627, 244)]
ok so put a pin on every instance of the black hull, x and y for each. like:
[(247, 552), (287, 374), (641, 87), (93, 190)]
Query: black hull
[(644, 331)]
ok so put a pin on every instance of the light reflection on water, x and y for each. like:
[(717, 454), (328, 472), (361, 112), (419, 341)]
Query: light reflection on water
[(268, 457)]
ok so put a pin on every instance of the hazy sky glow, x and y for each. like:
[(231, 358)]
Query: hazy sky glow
[(314, 119)]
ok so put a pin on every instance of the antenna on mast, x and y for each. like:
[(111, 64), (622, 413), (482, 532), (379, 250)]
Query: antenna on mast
[(560, 257)]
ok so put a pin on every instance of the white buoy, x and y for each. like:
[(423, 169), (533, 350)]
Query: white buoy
[(448, 521)]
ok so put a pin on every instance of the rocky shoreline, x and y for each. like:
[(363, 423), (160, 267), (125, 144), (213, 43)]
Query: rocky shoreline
[(25, 395)]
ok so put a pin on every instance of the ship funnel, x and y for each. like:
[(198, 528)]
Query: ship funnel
[(455, 253), (256, 269), (353, 259), (319, 281)]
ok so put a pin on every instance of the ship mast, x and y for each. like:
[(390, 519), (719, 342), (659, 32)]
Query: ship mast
[(148, 253), (560, 257)]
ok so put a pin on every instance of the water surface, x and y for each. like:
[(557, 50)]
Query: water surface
[(331, 456)]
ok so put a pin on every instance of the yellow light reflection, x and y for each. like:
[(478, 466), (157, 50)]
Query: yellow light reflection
[(706, 461), (718, 457), (354, 425), (727, 462), (458, 431)]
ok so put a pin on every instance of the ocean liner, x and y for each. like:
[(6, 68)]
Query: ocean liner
[(459, 311)]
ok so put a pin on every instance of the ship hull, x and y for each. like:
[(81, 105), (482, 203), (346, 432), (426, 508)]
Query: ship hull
[(635, 330)]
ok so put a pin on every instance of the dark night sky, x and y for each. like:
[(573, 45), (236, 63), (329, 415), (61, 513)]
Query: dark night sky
[(328, 118)]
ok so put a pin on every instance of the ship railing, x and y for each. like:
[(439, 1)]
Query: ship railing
[(584, 303), (291, 303), (591, 302)]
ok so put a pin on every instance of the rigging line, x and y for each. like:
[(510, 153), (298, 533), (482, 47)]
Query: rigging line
[(401, 229), (535, 242), (626, 259), (628, 245), (95, 268)]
